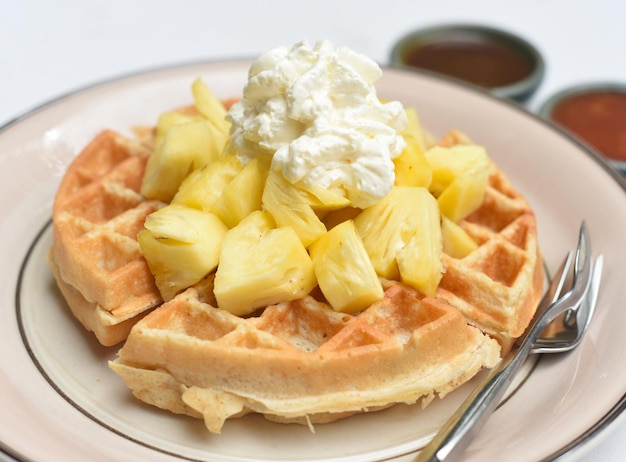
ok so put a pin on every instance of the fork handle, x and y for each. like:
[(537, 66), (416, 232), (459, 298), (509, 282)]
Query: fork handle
[(452, 440)]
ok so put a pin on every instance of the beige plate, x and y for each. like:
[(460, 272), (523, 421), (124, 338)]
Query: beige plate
[(61, 402)]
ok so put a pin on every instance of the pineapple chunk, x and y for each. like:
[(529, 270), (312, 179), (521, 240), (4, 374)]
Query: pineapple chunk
[(321, 199), (419, 261), (185, 148), (460, 176), (402, 236), (168, 120), (202, 188), (290, 209), (411, 167), (464, 195), (243, 194), (414, 128), (261, 265), (456, 242), (181, 246), (343, 269), (211, 109)]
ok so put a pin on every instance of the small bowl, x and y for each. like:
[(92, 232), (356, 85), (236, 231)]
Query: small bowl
[(595, 113), (503, 63)]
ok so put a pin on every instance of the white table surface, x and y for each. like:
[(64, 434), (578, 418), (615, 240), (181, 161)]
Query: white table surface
[(51, 47)]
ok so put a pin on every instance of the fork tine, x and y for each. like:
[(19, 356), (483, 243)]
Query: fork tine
[(583, 269), (569, 317), (592, 296), (553, 293), (582, 264), (556, 287)]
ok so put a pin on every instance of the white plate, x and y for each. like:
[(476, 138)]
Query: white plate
[(60, 401)]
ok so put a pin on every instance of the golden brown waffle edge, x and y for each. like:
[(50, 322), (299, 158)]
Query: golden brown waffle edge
[(300, 361), (95, 256)]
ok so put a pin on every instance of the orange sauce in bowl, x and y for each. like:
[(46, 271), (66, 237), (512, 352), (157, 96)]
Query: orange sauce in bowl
[(597, 117)]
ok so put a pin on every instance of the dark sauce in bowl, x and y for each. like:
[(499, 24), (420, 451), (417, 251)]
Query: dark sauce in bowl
[(493, 59), (481, 62)]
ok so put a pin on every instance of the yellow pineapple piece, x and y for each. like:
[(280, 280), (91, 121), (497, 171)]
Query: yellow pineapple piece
[(185, 142), (379, 227), (414, 128), (460, 175), (419, 261), (242, 195), (402, 236), (211, 109), (411, 167), (202, 188), (321, 199), (181, 246), (261, 265), (343, 269), (289, 208), (447, 163), (168, 120), (456, 242), (464, 195), (185, 148)]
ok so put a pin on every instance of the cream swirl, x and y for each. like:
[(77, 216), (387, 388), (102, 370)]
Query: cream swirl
[(314, 112)]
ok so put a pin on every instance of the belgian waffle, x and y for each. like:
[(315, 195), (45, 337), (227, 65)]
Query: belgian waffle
[(95, 257), (302, 362), (293, 362)]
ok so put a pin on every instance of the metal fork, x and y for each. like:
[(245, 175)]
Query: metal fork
[(579, 301), (568, 329)]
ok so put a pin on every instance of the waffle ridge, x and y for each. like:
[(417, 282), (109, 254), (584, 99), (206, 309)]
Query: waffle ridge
[(95, 256), (491, 285), (301, 361)]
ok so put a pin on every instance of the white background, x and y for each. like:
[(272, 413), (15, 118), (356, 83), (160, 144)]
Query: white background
[(50, 48)]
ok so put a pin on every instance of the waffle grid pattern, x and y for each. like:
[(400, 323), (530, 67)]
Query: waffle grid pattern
[(300, 361), (97, 213)]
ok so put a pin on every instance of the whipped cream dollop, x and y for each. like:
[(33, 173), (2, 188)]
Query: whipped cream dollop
[(313, 112)]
